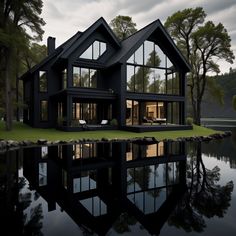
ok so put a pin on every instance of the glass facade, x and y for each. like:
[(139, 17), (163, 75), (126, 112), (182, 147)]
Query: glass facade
[(85, 111), (84, 77), (150, 71), (83, 151), (94, 51), (136, 151), (43, 83), (153, 112), (86, 181)]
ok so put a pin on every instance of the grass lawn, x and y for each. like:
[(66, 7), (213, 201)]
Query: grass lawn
[(23, 132)]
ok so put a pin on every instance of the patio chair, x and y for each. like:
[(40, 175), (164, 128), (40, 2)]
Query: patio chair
[(104, 122), (82, 122)]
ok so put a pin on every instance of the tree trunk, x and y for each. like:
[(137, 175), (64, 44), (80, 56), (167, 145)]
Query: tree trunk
[(17, 99), (198, 113), (8, 100), (17, 87)]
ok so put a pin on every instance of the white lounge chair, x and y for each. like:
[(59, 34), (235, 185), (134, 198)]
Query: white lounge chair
[(104, 122), (82, 122)]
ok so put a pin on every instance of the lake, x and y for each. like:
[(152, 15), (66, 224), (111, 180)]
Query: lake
[(128, 188)]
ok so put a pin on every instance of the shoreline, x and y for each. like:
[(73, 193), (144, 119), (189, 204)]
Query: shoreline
[(7, 145)]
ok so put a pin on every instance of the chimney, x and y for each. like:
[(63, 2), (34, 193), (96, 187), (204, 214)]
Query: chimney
[(51, 45)]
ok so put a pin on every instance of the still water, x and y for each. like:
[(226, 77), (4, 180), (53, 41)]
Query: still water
[(120, 188)]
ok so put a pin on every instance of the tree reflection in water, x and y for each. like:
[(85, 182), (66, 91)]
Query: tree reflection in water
[(32, 216), (204, 198)]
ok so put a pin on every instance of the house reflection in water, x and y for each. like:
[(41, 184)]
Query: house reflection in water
[(97, 182)]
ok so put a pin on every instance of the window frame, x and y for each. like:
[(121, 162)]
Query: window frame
[(39, 77), (100, 53), (80, 77), (166, 70)]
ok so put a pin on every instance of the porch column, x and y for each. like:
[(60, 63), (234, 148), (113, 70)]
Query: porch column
[(68, 110)]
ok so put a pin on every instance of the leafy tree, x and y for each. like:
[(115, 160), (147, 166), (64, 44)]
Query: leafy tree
[(16, 17), (234, 102), (202, 44), (123, 26), (32, 55)]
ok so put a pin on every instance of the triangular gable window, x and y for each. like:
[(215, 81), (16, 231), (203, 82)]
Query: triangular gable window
[(94, 51)]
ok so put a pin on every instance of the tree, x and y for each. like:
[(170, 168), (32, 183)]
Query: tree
[(16, 16), (33, 54), (202, 45), (123, 26), (234, 102)]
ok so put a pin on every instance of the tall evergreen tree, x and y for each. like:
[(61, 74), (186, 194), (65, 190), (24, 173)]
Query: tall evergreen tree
[(16, 17)]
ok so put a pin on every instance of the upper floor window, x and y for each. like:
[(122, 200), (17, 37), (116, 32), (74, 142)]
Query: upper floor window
[(149, 70), (150, 54), (94, 51), (43, 84), (84, 77)]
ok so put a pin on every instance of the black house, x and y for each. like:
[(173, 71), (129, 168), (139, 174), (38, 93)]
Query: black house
[(94, 78)]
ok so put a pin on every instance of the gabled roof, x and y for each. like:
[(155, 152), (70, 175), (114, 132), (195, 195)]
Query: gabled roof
[(65, 49), (99, 23), (131, 44), (57, 51), (125, 48)]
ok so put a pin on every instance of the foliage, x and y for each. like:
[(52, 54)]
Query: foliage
[(17, 20), (114, 122), (234, 102), (189, 121), (202, 44), (215, 90), (123, 26), (60, 120), (33, 54)]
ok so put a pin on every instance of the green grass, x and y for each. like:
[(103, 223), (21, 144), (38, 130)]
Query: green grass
[(23, 132)]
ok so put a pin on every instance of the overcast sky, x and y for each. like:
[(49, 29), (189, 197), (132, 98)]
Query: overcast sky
[(65, 17)]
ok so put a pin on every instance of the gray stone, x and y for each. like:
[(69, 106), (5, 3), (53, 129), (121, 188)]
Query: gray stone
[(42, 141)]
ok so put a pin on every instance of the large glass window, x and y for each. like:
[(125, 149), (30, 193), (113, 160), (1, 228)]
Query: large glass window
[(84, 77), (85, 111), (130, 78), (146, 113), (149, 70), (173, 112), (42, 174), (95, 206), (43, 84), (87, 181), (86, 150), (136, 151), (173, 86), (94, 51), (44, 110), (132, 112)]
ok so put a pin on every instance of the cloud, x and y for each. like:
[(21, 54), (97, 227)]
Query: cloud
[(64, 18)]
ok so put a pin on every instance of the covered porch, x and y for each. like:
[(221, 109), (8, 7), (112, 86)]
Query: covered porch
[(158, 115), (78, 111)]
